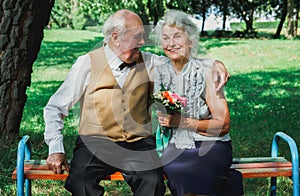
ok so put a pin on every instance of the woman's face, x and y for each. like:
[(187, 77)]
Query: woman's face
[(175, 43)]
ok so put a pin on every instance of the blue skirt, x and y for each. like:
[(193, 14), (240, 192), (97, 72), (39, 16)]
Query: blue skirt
[(196, 170)]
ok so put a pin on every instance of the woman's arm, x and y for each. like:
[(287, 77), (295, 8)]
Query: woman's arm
[(219, 124)]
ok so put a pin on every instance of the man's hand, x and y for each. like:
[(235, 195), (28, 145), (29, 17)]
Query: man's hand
[(220, 74), (55, 162)]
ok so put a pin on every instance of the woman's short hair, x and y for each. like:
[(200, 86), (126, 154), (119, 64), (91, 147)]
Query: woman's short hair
[(181, 20)]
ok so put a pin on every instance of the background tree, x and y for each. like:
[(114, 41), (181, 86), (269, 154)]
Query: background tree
[(60, 14), (290, 19), (293, 7), (280, 8), (21, 32), (297, 10), (223, 9), (201, 8), (245, 10)]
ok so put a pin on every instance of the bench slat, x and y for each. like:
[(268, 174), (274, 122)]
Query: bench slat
[(253, 167), (41, 175), (49, 175), (261, 165), (233, 166), (258, 159), (266, 172)]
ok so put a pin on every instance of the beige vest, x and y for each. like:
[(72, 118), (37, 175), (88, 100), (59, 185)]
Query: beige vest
[(108, 111)]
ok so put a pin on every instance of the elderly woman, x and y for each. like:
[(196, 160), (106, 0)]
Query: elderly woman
[(200, 147)]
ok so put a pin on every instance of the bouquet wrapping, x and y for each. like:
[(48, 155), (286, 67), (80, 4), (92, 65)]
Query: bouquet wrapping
[(166, 102)]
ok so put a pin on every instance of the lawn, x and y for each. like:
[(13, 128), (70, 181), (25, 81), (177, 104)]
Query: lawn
[(263, 95)]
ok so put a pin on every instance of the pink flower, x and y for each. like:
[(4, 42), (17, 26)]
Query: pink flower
[(182, 100)]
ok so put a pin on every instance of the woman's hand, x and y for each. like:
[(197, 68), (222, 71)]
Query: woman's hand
[(170, 120)]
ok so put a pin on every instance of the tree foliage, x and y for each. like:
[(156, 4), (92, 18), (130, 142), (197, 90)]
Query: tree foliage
[(78, 14)]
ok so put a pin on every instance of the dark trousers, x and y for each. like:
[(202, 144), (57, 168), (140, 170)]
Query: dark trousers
[(95, 158), (196, 170)]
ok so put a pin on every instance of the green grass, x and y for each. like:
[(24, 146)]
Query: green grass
[(263, 95)]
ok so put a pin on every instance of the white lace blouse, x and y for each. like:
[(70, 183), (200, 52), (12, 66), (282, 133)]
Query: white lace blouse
[(191, 83)]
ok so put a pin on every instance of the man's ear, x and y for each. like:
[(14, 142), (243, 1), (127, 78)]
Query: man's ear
[(115, 38)]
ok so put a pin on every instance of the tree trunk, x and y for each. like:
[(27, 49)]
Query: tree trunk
[(249, 21), (225, 13), (290, 18), (21, 32), (296, 21), (224, 22), (282, 19), (203, 22)]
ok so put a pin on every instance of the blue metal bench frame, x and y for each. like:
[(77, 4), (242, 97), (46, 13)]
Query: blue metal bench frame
[(295, 161), (24, 153)]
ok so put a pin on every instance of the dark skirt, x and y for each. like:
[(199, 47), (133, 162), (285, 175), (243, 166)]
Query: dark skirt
[(196, 170)]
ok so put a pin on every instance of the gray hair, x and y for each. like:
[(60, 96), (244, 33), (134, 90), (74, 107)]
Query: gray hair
[(181, 20), (115, 22)]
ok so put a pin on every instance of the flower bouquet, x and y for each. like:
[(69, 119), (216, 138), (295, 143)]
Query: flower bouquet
[(168, 102), (172, 102)]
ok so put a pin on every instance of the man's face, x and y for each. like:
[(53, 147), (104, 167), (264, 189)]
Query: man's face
[(130, 41)]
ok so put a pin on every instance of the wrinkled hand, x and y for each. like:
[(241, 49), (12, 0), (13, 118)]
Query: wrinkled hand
[(170, 120), (220, 74), (55, 162)]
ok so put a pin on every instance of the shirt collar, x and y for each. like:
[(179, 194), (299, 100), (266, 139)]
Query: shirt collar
[(113, 60)]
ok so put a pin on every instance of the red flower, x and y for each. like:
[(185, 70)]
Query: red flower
[(166, 94)]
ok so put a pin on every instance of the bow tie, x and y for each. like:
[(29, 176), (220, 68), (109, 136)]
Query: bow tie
[(123, 65)]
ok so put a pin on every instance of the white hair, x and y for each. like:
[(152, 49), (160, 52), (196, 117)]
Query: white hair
[(115, 22), (181, 20)]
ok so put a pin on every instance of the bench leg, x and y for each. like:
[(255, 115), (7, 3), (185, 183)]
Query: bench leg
[(28, 187), (23, 154), (273, 186), (294, 155)]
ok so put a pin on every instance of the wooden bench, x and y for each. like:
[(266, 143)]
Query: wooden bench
[(252, 167)]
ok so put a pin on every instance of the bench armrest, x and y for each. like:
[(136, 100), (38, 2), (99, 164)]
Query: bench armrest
[(294, 156)]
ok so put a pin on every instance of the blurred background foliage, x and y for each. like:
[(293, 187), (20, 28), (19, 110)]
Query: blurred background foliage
[(79, 14)]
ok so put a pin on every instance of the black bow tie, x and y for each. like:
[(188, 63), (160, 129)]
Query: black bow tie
[(126, 65)]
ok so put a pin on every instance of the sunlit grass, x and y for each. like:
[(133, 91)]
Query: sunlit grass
[(263, 95)]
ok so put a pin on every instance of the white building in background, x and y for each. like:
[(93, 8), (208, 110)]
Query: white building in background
[(214, 22)]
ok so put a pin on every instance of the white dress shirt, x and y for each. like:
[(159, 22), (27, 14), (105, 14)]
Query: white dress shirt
[(72, 90)]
